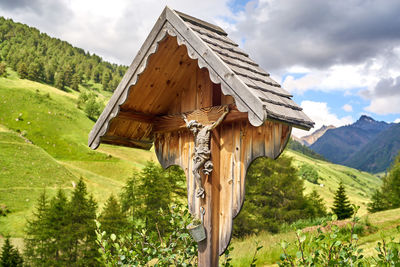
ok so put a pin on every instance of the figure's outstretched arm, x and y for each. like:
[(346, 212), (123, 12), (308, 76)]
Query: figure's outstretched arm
[(218, 122)]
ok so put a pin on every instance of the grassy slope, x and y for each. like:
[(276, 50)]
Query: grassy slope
[(242, 254), (60, 155), (359, 185), (58, 152)]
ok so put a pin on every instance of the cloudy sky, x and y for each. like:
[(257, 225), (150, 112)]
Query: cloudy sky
[(340, 59)]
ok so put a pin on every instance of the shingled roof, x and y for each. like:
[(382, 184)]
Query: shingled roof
[(252, 88)]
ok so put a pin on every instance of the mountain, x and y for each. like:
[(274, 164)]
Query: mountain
[(308, 140), (341, 144), (377, 155), (295, 145)]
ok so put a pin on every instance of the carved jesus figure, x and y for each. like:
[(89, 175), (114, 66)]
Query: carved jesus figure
[(202, 153)]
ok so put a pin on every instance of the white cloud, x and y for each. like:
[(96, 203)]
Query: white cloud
[(347, 108), (397, 120), (320, 113), (334, 49), (384, 97), (384, 105), (115, 30), (335, 78)]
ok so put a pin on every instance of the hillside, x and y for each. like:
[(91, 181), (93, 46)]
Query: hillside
[(385, 223), (359, 185), (43, 141), (295, 145), (340, 144), (378, 154), (44, 136), (39, 57)]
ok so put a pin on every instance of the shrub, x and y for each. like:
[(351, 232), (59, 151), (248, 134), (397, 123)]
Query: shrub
[(92, 109), (141, 248), (335, 246), (3, 69), (4, 210), (308, 173)]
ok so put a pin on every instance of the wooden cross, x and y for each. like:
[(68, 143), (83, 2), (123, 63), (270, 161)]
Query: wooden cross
[(235, 143), (175, 94)]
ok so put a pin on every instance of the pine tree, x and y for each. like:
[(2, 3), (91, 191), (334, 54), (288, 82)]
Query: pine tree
[(59, 80), (388, 196), (149, 191), (57, 219), (274, 195), (33, 71), (3, 69), (76, 80), (316, 207), (68, 75), (92, 108), (341, 204), (112, 219), (22, 70), (10, 256), (37, 235), (82, 248), (114, 82), (105, 81), (130, 200)]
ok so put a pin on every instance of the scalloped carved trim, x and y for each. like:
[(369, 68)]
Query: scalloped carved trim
[(168, 30)]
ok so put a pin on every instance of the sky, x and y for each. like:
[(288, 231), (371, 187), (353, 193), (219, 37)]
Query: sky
[(339, 59)]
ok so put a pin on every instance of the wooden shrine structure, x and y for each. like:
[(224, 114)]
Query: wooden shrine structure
[(207, 107)]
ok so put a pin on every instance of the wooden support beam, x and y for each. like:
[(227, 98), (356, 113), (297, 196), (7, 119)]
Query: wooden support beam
[(171, 123), (205, 116), (118, 140), (136, 116)]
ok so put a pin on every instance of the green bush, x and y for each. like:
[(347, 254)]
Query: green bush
[(388, 196), (274, 196), (3, 69), (142, 248), (4, 210), (308, 173), (335, 246)]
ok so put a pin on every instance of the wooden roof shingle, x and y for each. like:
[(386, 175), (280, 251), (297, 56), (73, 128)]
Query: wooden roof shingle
[(241, 77)]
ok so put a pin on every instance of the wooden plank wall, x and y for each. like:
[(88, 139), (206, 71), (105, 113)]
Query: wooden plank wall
[(234, 146)]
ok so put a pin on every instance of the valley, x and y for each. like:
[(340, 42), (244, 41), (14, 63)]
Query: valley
[(46, 149)]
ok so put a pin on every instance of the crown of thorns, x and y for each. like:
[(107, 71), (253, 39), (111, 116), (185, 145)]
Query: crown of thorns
[(193, 123)]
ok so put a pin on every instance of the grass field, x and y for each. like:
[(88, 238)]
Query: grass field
[(243, 251), (43, 145)]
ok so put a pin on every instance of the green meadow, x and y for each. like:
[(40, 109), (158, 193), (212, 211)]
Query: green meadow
[(43, 146)]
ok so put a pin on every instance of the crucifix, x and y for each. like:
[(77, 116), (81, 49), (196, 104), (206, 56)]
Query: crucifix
[(202, 152), (206, 107)]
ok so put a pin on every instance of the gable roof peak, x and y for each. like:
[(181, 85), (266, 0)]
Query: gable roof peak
[(253, 90)]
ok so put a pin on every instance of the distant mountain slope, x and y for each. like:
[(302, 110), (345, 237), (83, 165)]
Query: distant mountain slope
[(338, 145), (377, 155), (308, 140), (359, 185), (297, 146)]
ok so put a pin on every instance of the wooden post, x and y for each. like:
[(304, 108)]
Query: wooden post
[(176, 75), (208, 254)]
